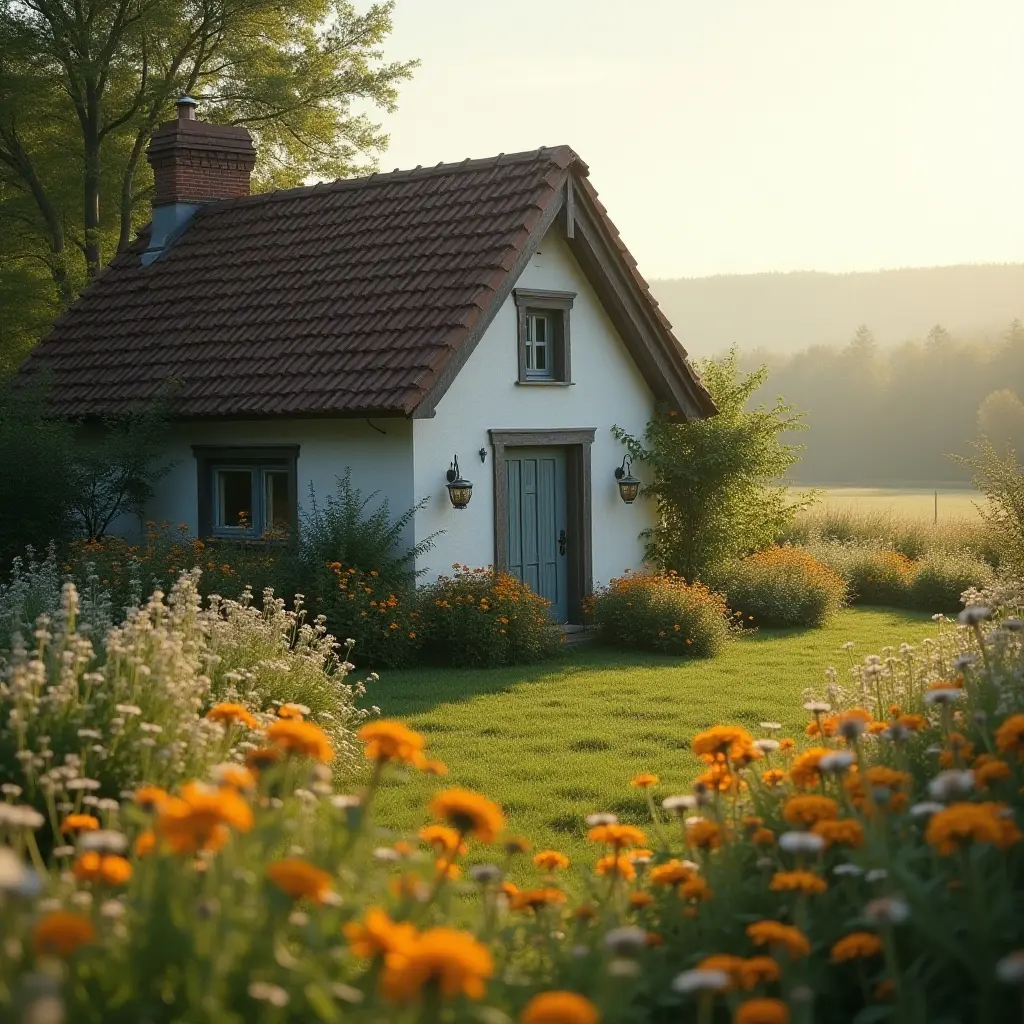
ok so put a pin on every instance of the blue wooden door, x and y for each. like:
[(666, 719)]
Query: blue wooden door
[(537, 540)]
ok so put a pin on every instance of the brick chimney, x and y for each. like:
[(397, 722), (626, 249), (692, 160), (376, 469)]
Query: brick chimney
[(193, 163)]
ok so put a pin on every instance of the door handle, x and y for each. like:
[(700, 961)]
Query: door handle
[(561, 542)]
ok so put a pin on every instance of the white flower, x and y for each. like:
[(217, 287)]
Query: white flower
[(945, 695), (771, 726), (954, 782), (128, 709), (72, 785), (386, 853), (602, 818), (817, 707), (876, 875), (1010, 970), (851, 870), (63, 851), (974, 614), (679, 803), (801, 842), (626, 941), (837, 761), (12, 870), (264, 992), (962, 661), (767, 746), (701, 981), (345, 801), (11, 790), (887, 910), (925, 809), (848, 646), (112, 909), (105, 840), (485, 873)]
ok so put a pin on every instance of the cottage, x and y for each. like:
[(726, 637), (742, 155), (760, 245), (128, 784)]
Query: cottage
[(478, 321)]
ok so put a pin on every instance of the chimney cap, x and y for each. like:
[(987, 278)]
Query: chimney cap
[(187, 108)]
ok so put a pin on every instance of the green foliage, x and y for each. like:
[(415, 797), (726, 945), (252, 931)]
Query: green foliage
[(873, 574), (781, 587), (479, 618), (941, 578), (663, 613), (1000, 478), (714, 479)]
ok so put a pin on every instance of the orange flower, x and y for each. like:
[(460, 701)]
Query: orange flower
[(229, 713), (729, 965), (292, 711), (673, 872), (443, 839), (535, 899), (773, 777), (762, 1011), (108, 869), (704, 834), (645, 781), (377, 934), (774, 933), (913, 723), (856, 946), (695, 889), (299, 879), (150, 798), (145, 843), (200, 818), (731, 741), (758, 970), (959, 824), (468, 812), (559, 1008), (452, 961), (387, 740), (844, 832), (79, 823), (1010, 736), (302, 738), (434, 768), (786, 746), (798, 881), (993, 771), (639, 900), (808, 809), (261, 758), (550, 860), (617, 836), (60, 933), (617, 865), (236, 776), (805, 771)]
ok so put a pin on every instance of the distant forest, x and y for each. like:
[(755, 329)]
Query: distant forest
[(791, 312)]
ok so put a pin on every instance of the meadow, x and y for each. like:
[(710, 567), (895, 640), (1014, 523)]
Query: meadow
[(555, 742), (912, 503)]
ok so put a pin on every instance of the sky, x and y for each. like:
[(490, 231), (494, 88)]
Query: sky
[(740, 136)]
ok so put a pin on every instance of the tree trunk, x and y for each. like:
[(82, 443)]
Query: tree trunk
[(127, 182), (91, 183)]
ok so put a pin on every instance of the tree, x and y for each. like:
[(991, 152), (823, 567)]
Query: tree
[(1000, 478), (715, 480), (83, 83), (1001, 419)]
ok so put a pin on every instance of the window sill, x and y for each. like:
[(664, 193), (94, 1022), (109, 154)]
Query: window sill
[(546, 383)]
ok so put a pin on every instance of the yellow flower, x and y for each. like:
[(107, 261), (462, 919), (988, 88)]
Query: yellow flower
[(1010, 736), (798, 881), (387, 740), (844, 832), (673, 872), (468, 812), (299, 879), (106, 868), (559, 1008), (550, 860), (377, 934), (962, 823), (617, 836), (443, 839), (200, 818), (757, 970), (229, 713), (453, 961), (856, 946), (761, 1011), (704, 834), (774, 933), (60, 933), (644, 781), (535, 899), (617, 865), (302, 738), (808, 809), (79, 823)]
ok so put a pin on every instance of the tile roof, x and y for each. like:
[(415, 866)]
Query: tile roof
[(342, 298)]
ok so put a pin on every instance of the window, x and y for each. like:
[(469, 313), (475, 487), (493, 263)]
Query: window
[(543, 324), (247, 492)]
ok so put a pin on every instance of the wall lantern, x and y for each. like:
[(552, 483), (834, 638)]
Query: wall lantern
[(459, 490), (629, 486)]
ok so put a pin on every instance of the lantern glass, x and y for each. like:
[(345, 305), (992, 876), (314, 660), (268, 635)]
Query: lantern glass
[(460, 491), (629, 488)]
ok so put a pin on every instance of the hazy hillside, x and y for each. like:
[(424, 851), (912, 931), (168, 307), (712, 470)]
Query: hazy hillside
[(789, 312)]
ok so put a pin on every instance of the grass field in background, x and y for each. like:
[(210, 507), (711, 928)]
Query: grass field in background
[(912, 503), (558, 741)]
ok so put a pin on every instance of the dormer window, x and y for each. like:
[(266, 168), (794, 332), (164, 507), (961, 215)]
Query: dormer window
[(543, 326)]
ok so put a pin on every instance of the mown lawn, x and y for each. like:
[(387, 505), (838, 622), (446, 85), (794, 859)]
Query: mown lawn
[(555, 742)]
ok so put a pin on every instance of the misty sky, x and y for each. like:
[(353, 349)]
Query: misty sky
[(729, 136)]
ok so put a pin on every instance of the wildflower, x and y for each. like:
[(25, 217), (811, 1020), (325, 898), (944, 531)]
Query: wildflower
[(945, 694), (377, 934), (79, 823), (704, 834), (617, 865), (1010, 736), (550, 860), (701, 981), (453, 961), (732, 741), (673, 872), (842, 832), (762, 837), (639, 900), (468, 812), (993, 771), (848, 870), (773, 777), (807, 810), (950, 783), (145, 843), (767, 746), (771, 726), (200, 818), (617, 836), (235, 775), (798, 881), (559, 1007), (678, 804), (856, 946), (1010, 970), (229, 713), (801, 842), (695, 890), (485, 874), (774, 933), (386, 740), (974, 614), (515, 845), (913, 723), (959, 824), (299, 879), (443, 839), (60, 933), (887, 910), (601, 818), (626, 941), (95, 867), (837, 762), (644, 781), (302, 738), (758, 970), (262, 758), (731, 966), (434, 768), (292, 711), (761, 1011), (805, 771)]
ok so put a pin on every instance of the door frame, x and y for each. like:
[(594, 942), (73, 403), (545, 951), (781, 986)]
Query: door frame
[(577, 442)]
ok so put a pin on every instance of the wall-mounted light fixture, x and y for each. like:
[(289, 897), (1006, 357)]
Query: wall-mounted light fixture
[(629, 486), (459, 490), (483, 454)]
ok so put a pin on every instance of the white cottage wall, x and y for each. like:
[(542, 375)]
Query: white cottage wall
[(379, 461), (607, 388)]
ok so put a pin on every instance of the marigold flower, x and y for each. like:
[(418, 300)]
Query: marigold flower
[(704, 834), (559, 1008), (377, 934), (798, 881), (302, 738), (844, 832), (856, 946), (731, 741), (914, 723), (79, 823), (759, 970), (773, 777), (774, 933), (962, 823), (61, 932), (229, 713), (387, 740), (731, 966), (299, 879), (237, 776), (639, 900), (150, 798), (805, 771), (673, 872), (535, 899), (762, 1011), (550, 860), (617, 865), (292, 711), (1010, 736), (809, 809), (993, 771), (455, 962), (824, 727), (787, 746), (145, 843), (762, 837), (443, 839), (200, 818), (434, 768), (106, 868), (468, 812), (616, 835), (695, 889), (645, 781)]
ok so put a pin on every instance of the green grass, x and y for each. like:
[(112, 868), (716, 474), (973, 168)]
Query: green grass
[(555, 742)]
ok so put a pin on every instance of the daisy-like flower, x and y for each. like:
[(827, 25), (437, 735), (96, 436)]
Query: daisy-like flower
[(887, 910), (773, 777), (559, 1007), (550, 860), (798, 881), (230, 713), (960, 824), (469, 813), (950, 783), (201, 817), (806, 768), (485, 874), (601, 818), (617, 836), (817, 707), (837, 762), (303, 739), (841, 832), (61, 933), (777, 935), (291, 710), (679, 804), (695, 889), (759, 970), (770, 726), (856, 946), (767, 746), (385, 740), (299, 879), (626, 941), (727, 963), (732, 741), (640, 900), (644, 781), (801, 842), (443, 839), (235, 775), (974, 614), (616, 865), (701, 981), (672, 873), (943, 695), (808, 809)]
